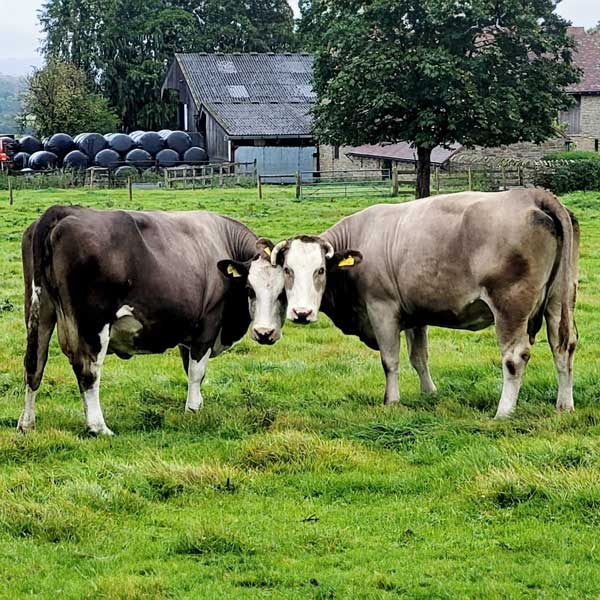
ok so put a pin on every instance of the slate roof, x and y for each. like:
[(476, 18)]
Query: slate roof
[(403, 152), (587, 58), (255, 95)]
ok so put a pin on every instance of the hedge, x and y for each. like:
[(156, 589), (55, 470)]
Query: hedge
[(574, 155), (574, 176)]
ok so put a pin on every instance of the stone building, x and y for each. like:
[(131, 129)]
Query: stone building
[(583, 120)]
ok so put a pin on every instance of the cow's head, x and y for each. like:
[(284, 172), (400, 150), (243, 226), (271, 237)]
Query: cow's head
[(264, 285), (306, 261)]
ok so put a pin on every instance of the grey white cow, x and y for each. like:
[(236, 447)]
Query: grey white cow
[(463, 261), (129, 282)]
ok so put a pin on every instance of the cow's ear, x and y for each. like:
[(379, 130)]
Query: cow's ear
[(345, 260), (232, 269), (265, 248)]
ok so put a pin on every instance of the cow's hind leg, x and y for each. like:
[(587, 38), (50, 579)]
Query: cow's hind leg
[(41, 319), (563, 356), (196, 370), (386, 329), (515, 346), (87, 365), (416, 342)]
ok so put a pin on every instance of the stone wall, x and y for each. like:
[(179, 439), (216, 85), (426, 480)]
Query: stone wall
[(328, 162), (589, 123), (521, 151)]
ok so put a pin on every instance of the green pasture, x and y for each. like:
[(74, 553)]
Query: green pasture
[(295, 481)]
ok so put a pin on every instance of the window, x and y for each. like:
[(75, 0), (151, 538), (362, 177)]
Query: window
[(238, 91), (336, 152), (572, 118)]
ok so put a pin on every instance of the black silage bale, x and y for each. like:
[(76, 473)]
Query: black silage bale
[(139, 158), (76, 160), (125, 171), (179, 141), (107, 158), (195, 155), (121, 143), (151, 142), (60, 144), (167, 158), (30, 144), (42, 160), (21, 160), (91, 143)]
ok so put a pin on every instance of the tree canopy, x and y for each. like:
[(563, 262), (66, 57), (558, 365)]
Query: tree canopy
[(475, 72), (125, 46), (58, 99)]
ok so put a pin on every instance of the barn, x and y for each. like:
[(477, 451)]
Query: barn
[(249, 106)]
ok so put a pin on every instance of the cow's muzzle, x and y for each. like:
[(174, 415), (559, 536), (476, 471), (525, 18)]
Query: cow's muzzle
[(264, 335), (303, 316)]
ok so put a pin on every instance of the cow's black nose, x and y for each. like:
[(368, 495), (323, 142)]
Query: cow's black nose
[(301, 315), (264, 335)]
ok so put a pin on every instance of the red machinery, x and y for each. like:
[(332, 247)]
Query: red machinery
[(7, 152)]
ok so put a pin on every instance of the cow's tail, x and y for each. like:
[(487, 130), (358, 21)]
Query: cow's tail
[(40, 244), (554, 207)]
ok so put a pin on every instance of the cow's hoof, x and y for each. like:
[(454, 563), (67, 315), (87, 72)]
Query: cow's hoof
[(99, 430), (561, 408), (502, 416), (25, 424), (192, 410)]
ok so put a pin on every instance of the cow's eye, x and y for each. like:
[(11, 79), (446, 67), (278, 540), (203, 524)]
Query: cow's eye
[(321, 271), (286, 271), (251, 293)]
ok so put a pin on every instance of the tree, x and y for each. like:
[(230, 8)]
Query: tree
[(57, 99), (476, 72), (125, 46)]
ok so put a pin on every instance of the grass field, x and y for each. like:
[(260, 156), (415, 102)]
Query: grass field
[(294, 481)]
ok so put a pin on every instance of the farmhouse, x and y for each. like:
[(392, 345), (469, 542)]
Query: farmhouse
[(249, 107)]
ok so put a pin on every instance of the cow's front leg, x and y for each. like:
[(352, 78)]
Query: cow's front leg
[(196, 371), (387, 333), (88, 366), (416, 342)]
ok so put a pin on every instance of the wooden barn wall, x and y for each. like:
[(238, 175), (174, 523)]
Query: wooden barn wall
[(217, 145), (176, 81)]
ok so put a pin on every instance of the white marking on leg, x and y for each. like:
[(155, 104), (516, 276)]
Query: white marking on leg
[(125, 311), (27, 418), (196, 371), (514, 362), (91, 397), (564, 371)]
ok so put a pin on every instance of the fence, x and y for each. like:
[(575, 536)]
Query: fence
[(214, 175), (401, 179)]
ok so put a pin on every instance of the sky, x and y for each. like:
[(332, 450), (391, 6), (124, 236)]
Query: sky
[(20, 35)]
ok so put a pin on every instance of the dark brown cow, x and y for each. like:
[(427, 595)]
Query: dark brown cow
[(463, 261), (128, 282)]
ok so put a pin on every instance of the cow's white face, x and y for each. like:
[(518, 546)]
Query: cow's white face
[(305, 262), (263, 283), (267, 300)]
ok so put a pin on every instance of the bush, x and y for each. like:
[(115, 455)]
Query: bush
[(574, 155), (575, 176)]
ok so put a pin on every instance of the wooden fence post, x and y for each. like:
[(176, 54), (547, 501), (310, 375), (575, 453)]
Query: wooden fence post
[(437, 179), (259, 185), (395, 187), (298, 185), (470, 178), (130, 188), (10, 191)]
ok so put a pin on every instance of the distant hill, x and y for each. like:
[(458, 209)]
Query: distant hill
[(10, 90)]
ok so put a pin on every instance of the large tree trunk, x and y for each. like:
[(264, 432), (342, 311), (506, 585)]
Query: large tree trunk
[(423, 172)]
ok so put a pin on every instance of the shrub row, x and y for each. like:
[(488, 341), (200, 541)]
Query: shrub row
[(573, 176)]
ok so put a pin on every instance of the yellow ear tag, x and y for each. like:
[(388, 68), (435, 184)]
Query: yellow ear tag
[(267, 251), (346, 262), (233, 271)]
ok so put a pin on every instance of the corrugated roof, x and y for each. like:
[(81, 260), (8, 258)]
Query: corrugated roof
[(587, 58), (253, 94), (403, 151)]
